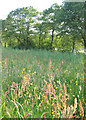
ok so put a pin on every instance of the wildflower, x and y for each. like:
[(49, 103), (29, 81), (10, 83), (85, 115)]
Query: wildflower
[(75, 104), (47, 102), (52, 104), (27, 93), (23, 69), (30, 83), (13, 83), (29, 71), (34, 88), (55, 98), (50, 63), (66, 98), (52, 97), (58, 82), (57, 106), (53, 115), (73, 95), (24, 94), (53, 112), (30, 95), (78, 95), (24, 77), (77, 75), (57, 113), (76, 82), (81, 108)]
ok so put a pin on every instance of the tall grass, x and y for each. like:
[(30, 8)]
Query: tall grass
[(40, 83)]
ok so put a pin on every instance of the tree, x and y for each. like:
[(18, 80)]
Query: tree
[(20, 25), (40, 29), (58, 26), (72, 19), (49, 16)]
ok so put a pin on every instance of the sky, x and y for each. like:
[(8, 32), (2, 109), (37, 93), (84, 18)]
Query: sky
[(6, 6)]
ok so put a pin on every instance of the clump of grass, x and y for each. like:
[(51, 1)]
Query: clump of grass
[(36, 104), (43, 91)]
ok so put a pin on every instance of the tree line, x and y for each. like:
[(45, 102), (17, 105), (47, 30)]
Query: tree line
[(60, 26)]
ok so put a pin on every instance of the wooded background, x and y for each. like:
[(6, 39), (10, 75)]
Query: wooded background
[(60, 27)]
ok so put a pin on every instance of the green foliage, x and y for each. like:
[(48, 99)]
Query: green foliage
[(72, 17), (58, 26), (19, 24)]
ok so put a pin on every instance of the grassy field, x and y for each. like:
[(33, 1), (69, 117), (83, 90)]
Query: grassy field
[(42, 84)]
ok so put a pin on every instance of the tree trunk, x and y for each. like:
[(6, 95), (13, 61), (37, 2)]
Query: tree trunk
[(73, 45), (40, 41), (5, 45), (1, 43), (18, 40), (24, 43), (28, 39), (52, 38)]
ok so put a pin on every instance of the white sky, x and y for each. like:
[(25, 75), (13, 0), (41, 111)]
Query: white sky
[(6, 6)]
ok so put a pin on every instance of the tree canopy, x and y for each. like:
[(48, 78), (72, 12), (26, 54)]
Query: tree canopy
[(60, 27)]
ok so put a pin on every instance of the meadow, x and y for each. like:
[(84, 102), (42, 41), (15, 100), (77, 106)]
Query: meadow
[(42, 84)]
